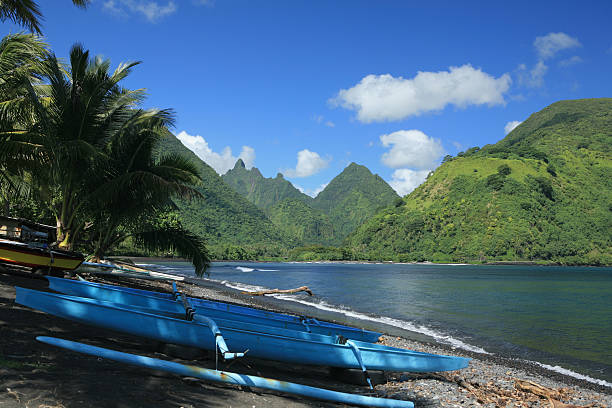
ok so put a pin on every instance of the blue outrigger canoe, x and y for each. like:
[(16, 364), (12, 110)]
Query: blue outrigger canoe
[(165, 302), (322, 350)]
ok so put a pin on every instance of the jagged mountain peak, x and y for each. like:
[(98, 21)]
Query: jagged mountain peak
[(239, 164)]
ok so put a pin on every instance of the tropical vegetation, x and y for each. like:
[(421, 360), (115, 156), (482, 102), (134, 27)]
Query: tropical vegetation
[(349, 199), (233, 226), (26, 13), (78, 144), (543, 193)]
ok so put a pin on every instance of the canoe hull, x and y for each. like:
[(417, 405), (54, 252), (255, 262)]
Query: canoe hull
[(260, 345), (166, 303)]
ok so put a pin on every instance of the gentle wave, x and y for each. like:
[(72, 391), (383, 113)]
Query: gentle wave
[(322, 305), (241, 286), (402, 324), (244, 269), (571, 373)]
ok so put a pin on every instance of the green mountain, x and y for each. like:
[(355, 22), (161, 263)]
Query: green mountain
[(347, 201), (297, 219), (289, 209), (232, 226), (542, 193), (261, 191), (352, 197)]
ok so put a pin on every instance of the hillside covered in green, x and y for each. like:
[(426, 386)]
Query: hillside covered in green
[(261, 191), (543, 193), (347, 201), (352, 197), (233, 227)]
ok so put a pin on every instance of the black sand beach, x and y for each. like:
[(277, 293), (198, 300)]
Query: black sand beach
[(37, 375)]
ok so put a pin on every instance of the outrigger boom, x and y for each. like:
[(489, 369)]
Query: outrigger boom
[(226, 377)]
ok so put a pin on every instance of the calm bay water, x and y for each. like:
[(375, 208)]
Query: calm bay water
[(557, 316)]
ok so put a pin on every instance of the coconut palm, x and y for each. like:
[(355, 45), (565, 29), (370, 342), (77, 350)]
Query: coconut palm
[(20, 70), (98, 157), (26, 13), (73, 133), (134, 196), (80, 108)]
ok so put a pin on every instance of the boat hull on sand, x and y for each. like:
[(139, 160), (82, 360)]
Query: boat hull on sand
[(166, 303), (22, 254), (260, 345)]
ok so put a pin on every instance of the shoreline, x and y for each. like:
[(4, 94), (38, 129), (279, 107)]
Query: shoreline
[(137, 259), (232, 295), (437, 390), (391, 327)]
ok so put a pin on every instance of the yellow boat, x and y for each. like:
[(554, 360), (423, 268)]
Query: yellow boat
[(27, 243), (20, 253)]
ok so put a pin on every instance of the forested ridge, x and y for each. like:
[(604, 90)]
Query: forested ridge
[(543, 193), (347, 201)]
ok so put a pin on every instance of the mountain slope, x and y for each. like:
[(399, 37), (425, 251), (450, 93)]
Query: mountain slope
[(542, 193), (261, 191), (297, 219), (352, 197), (223, 217)]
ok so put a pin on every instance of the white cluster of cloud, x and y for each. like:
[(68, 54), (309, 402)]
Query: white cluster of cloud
[(547, 47), (321, 119), (403, 181), (534, 77), (221, 162), (411, 148), (308, 163), (313, 193), (570, 61), (550, 44), (386, 98), (511, 125), (413, 154), (151, 10)]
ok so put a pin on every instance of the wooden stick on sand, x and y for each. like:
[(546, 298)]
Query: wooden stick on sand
[(271, 291)]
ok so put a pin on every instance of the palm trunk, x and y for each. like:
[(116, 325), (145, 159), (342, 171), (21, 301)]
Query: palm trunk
[(64, 235)]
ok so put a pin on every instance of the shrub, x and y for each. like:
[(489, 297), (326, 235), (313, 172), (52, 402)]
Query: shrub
[(504, 170), (496, 181)]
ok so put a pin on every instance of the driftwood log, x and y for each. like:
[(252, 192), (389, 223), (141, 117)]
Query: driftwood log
[(272, 291), (524, 393)]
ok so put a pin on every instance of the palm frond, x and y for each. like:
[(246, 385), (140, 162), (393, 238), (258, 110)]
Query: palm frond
[(179, 240), (26, 13), (81, 3)]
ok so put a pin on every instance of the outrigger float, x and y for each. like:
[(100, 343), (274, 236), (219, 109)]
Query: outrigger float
[(226, 377)]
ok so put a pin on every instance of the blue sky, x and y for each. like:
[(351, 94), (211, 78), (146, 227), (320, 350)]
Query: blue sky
[(306, 87)]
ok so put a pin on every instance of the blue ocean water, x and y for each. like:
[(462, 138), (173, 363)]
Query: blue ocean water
[(560, 317)]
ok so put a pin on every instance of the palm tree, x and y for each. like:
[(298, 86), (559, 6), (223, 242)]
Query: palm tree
[(75, 134), (134, 196), (26, 13), (20, 69), (79, 110)]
